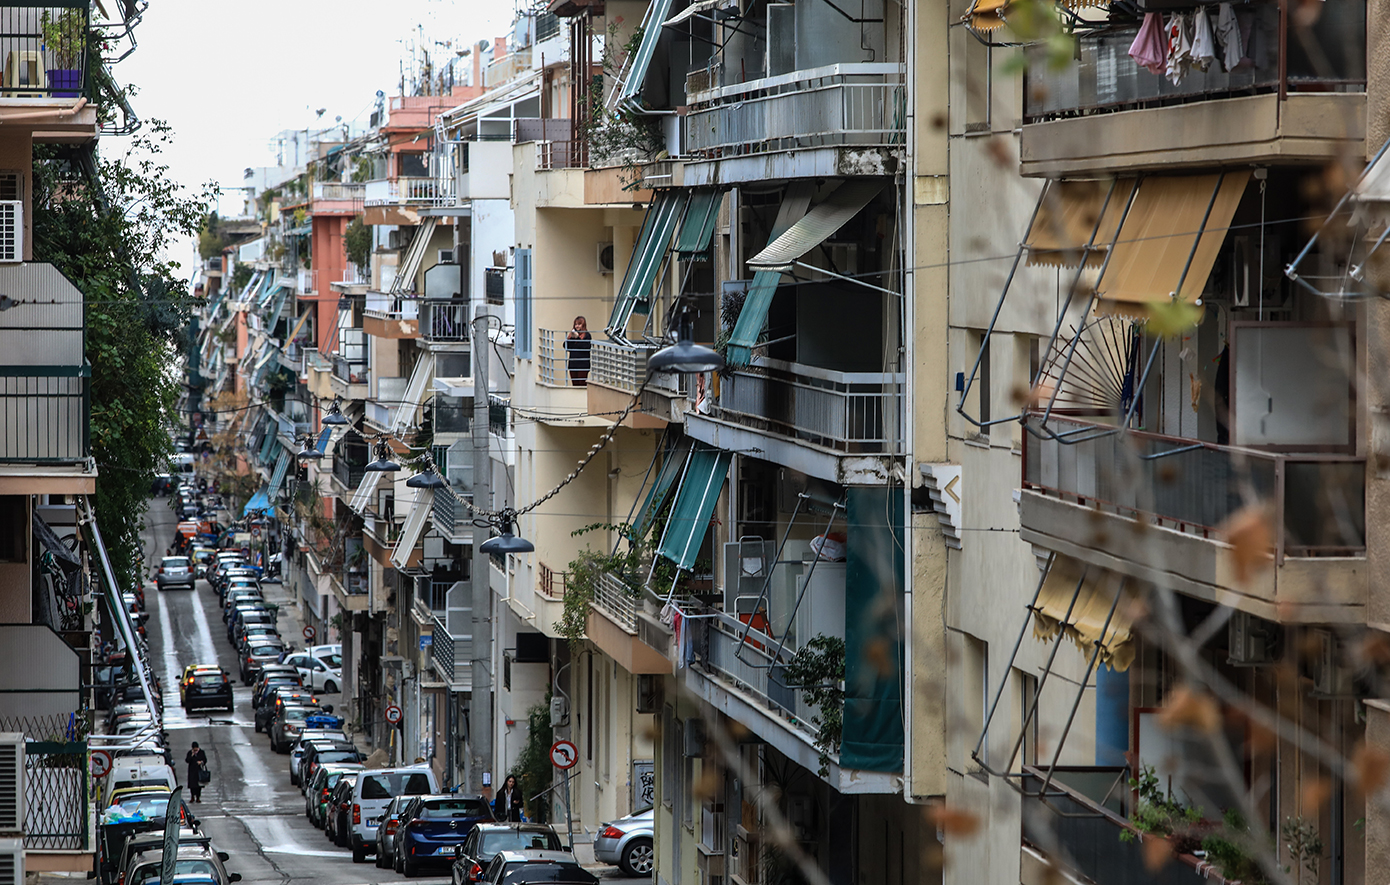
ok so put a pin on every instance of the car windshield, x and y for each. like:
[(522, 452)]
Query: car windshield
[(516, 840), (297, 714), (140, 807), (397, 783), (148, 873), (444, 809), (332, 661)]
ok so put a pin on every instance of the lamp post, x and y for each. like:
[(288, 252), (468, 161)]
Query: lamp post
[(480, 707)]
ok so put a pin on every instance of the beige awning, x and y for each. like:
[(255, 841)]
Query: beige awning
[(1066, 221), (1158, 235), (986, 15), (816, 226), (1086, 622)]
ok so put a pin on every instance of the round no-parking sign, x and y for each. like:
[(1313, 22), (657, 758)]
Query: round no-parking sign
[(101, 763), (393, 715)]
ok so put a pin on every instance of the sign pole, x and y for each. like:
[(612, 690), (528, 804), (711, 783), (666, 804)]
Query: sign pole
[(569, 818)]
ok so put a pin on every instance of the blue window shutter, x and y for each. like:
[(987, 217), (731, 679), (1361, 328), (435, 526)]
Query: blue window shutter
[(523, 303)]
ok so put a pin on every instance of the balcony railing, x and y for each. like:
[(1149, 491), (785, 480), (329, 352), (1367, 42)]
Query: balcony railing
[(1106, 78), (349, 473), (449, 511), (350, 371), (748, 665), (340, 190), (851, 104), (444, 320), (552, 360), (616, 601), (1195, 487), (38, 67), (550, 582), (44, 414), (497, 418), (442, 648), (620, 366), (851, 412), (410, 191)]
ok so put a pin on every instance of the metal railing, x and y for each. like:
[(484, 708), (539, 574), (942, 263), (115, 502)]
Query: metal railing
[(420, 191), (439, 595), (444, 320), (44, 414), (617, 601), (498, 419), (550, 582), (1105, 78), (449, 511), (350, 371), (351, 191), (719, 645), (853, 104), (621, 366), (56, 786), (349, 472), (561, 154), (1319, 500), (442, 648), (552, 359), (40, 65), (849, 412)]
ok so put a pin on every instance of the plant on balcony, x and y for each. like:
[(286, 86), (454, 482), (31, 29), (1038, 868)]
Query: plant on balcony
[(65, 35), (357, 242), (1305, 848), (1157, 812), (533, 770), (817, 670), (1233, 849), (587, 569), (619, 137)]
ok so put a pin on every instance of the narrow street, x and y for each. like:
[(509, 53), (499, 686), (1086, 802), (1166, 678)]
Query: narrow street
[(250, 808)]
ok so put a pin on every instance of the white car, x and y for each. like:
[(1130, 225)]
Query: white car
[(316, 672), (371, 794)]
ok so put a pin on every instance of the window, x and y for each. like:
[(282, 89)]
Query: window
[(523, 303), (412, 164)]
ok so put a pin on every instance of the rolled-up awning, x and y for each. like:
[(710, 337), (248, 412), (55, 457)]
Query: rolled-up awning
[(1073, 214), (696, 7), (751, 317), (694, 505), (277, 475), (1084, 622), (818, 225), (1170, 238), (634, 295), (986, 15), (414, 527), (698, 225)]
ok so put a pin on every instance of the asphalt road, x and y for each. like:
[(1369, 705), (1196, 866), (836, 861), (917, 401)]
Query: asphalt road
[(249, 809)]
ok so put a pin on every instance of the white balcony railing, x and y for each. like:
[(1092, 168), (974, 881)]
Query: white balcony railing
[(857, 105), (621, 366), (339, 190), (410, 192)]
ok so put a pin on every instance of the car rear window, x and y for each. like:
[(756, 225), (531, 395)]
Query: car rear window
[(512, 840), (545, 871), (150, 873), (176, 562), (387, 786), (207, 679), (331, 756), (444, 809), (263, 650)]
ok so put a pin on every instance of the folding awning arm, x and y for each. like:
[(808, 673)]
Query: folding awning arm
[(1291, 270)]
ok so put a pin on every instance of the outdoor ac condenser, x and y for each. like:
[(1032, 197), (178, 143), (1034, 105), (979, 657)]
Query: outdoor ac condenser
[(11, 862), (11, 231), (12, 787)]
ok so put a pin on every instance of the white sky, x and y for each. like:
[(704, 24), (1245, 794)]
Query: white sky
[(229, 76)]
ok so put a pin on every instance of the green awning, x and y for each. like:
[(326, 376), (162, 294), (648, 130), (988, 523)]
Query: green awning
[(690, 514), (277, 305), (674, 461), (648, 255), (268, 444), (752, 317), (277, 476), (698, 225), (635, 72), (873, 724)]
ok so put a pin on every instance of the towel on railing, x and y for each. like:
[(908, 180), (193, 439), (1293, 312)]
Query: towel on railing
[(1149, 49)]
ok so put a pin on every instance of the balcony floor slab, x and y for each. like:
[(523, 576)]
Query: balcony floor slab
[(848, 470)]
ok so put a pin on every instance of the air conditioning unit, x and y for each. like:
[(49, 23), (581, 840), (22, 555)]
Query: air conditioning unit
[(648, 693), (11, 862), (1330, 678), (11, 231), (1250, 640), (446, 256), (605, 257), (12, 784)]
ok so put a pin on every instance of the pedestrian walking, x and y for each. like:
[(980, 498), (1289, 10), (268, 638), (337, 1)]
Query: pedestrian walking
[(197, 765), (508, 806)]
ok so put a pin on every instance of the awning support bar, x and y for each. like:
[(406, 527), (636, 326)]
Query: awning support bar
[(767, 581), (1018, 643), (1291, 270)]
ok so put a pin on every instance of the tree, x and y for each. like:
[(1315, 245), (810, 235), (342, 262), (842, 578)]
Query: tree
[(107, 225)]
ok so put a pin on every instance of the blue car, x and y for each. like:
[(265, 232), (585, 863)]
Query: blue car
[(430, 828)]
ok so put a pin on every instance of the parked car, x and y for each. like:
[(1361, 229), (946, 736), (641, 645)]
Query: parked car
[(174, 571), (537, 867), (193, 863), (386, 831), (289, 722), (274, 698), (627, 843), (316, 672), (432, 827), (307, 737), (341, 810), (256, 655), (373, 791), (245, 619), (321, 787), (488, 839), (209, 688), (341, 752)]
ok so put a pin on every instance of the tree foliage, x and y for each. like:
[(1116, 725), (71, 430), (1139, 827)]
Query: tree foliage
[(108, 226)]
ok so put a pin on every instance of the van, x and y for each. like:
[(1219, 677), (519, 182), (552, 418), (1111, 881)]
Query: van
[(138, 771), (371, 794)]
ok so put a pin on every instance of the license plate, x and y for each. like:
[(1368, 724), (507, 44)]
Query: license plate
[(447, 849), (373, 821)]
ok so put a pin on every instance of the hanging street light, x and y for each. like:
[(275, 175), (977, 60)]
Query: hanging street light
[(506, 542), (383, 462), (335, 417), (685, 355), (428, 478)]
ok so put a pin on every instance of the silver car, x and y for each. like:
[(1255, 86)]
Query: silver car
[(627, 843), (174, 571)]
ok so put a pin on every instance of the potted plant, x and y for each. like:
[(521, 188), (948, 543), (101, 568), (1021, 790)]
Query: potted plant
[(65, 36)]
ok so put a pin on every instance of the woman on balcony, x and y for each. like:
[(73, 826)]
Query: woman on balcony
[(577, 344)]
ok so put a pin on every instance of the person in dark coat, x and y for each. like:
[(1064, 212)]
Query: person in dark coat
[(508, 806), (197, 761), (577, 343)]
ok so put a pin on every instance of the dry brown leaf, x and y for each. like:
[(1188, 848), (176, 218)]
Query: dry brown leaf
[(1262, 740), (954, 821), (1187, 707), (1250, 536), (1372, 765), (1375, 648), (1316, 792), (1157, 852)]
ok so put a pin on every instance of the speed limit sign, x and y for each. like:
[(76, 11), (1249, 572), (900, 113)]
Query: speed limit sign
[(563, 754), (101, 763), (393, 715), (308, 632)]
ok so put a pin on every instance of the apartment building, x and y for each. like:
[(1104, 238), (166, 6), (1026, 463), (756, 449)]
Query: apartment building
[(61, 609)]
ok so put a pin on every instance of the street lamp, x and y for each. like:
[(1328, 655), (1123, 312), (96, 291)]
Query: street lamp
[(428, 478), (383, 462), (335, 417), (506, 542), (309, 452), (685, 355)]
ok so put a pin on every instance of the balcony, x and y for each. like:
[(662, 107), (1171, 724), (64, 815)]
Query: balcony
[(498, 415), (616, 373), (1281, 106), (860, 107), (443, 322), (44, 414), (349, 465), (387, 316), (1154, 507), (612, 626), (337, 197), (551, 583), (39, 68), (410, 191), (451, 517)]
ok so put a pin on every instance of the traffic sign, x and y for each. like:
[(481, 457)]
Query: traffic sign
[(563, 755), (309, 632), (393, 715), (101, 763), (255, 531)]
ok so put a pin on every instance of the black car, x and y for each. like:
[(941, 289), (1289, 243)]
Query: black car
[(256, 656), (270, 679), (275, 698), (432, 827), (209, 689), (531, 867), (488, 839)]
